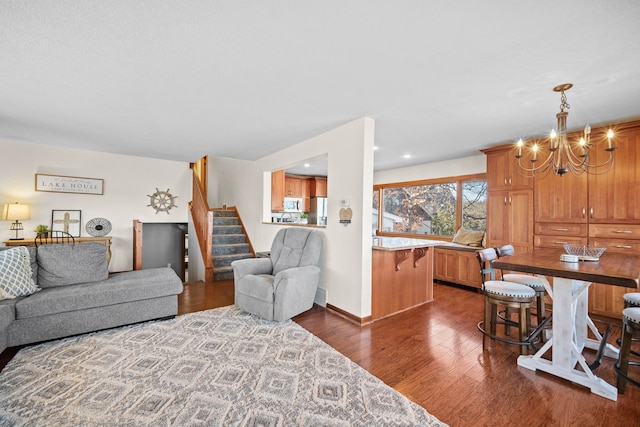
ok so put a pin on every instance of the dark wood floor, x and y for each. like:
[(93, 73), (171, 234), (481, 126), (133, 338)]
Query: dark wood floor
[(433, 355)]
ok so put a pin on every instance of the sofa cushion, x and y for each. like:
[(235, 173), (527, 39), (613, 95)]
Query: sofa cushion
[(62, 265), (15, 272), (7, 315), (119, 288)]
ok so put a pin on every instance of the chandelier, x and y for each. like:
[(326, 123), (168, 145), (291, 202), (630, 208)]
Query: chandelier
[(560, 155)]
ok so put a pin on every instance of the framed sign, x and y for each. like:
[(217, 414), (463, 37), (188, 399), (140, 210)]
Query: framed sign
[(67, 221), (69, 184)]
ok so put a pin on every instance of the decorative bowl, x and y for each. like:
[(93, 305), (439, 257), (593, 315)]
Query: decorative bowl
[(584, 253)]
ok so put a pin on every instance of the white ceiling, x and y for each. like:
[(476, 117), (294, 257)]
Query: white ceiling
[(245, 78)]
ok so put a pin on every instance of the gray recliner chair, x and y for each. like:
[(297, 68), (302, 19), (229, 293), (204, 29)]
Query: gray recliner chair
[(283, 285)]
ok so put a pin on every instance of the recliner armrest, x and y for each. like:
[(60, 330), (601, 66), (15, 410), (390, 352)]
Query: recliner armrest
[(242, 267), (295, 272)]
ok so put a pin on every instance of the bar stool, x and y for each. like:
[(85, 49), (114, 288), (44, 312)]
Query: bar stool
[(631, 299), (630, 329), (537, 283), (500, 293)]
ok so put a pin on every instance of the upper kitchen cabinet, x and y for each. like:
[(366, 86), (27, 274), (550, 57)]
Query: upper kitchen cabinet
[(293, 186), (614, 197), (502, 170), (318, 187), (277, 191), (561, 198)]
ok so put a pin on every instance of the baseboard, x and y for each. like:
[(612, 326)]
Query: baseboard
[(362, 321)]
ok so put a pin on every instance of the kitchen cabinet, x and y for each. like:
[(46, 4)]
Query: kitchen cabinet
[(502, 170), (509, 202), (292, 186), (298, 186), (277, 191), (614, 197), (457, 265), (621, 238), (306, 194), (318, 187), (561, 199), (510, 219)]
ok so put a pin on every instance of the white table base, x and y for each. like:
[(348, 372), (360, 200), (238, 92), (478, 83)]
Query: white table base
[(570, 325)]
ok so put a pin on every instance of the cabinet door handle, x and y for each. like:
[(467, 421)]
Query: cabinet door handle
[(509, 181), (591, 212), (505, 200), (622, 246), (584, 212), (505, 181), (621, 231), (560, 229), (558, 243), (509, 199)]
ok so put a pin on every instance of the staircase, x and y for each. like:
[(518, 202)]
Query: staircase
[(229, 243)]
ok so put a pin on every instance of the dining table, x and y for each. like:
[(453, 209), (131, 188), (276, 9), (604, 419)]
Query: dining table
[(571, 323)]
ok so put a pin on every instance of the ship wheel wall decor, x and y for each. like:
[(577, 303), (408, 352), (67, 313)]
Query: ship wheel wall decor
[(162, 201)]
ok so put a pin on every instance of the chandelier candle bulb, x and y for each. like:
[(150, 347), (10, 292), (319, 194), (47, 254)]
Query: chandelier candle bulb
[(519, 148), (609, 138)]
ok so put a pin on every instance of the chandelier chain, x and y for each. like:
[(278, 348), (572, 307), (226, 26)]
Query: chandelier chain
[(563, 102)]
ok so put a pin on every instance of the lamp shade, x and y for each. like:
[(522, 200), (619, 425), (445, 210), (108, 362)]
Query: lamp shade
[(15, 212)]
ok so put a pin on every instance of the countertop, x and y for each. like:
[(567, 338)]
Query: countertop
[(401, 243)]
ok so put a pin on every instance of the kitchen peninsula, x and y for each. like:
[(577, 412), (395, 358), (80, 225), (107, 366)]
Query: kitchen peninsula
[(402, 274)]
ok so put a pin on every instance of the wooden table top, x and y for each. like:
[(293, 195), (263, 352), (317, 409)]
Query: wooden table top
[(613, 268)]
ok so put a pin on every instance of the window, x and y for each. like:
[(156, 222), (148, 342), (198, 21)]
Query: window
[(474, 205), (431, 208)]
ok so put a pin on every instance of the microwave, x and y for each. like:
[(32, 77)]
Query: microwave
[(292, 204)]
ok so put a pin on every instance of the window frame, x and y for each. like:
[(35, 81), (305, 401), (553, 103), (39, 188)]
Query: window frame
[(458, 180)]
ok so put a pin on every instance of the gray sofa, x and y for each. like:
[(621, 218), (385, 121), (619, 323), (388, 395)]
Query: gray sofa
[(78, 295)]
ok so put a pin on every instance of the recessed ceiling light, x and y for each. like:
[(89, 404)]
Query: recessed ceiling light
[(375, 147), (306, 165), (407, 156)]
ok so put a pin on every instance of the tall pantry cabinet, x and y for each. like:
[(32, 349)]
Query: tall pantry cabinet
[(510, 202), (596, 210)]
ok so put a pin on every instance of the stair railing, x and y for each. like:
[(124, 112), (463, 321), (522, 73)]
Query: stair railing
[(203, 224)]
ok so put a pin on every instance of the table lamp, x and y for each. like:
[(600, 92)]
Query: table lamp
[(15, 212)]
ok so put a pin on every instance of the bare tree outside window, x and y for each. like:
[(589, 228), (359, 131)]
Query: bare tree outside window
[(430, 209), (474, 205)]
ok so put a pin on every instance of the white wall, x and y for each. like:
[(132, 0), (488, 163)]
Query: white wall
[(347, 251), (462, 166), (128, 181)]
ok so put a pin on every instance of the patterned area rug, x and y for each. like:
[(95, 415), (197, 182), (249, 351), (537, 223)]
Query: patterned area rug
[(219, 367)]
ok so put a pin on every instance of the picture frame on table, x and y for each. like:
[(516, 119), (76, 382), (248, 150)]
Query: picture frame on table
[(66, 220)]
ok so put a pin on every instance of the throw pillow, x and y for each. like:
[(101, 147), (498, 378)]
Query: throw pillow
[(61, 265), (34, 261), (4, 295), (468, 237), (15, 272)]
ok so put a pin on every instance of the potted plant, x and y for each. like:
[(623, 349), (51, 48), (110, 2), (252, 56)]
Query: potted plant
[(304, 218), (42, 229)]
